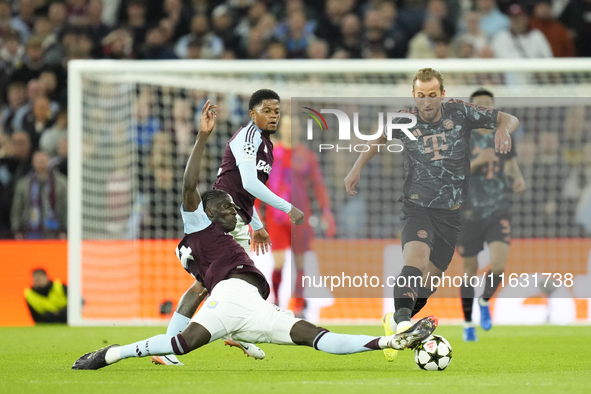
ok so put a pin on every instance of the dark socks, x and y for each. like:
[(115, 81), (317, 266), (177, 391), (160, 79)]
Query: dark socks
[(490, 288), (467, 294), (424, 295), (406, 296)]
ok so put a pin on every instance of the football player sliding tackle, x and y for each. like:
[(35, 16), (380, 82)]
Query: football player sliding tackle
[(245, 169), (236, 305)]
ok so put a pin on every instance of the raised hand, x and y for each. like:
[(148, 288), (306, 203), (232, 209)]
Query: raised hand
[(208, 115)]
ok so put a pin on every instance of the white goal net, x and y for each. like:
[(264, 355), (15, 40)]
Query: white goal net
[(133, 124)]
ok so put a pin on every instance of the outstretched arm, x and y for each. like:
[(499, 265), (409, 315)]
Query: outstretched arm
[(191, 196), (248, 175)]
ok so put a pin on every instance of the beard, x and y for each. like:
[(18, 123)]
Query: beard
[(429, 116)]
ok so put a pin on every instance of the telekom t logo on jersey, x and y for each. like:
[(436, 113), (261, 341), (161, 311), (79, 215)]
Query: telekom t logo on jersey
[(345, 124)]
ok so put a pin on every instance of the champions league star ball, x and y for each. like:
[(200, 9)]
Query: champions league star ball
[(433, 354)]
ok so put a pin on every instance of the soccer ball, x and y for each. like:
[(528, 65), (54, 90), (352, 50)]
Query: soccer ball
[(433, 354)]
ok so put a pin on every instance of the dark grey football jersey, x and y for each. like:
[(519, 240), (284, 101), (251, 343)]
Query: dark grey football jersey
[(489, 193), (437, 164)]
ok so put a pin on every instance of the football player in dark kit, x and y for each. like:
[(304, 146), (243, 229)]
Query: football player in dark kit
[(246, 165), (236, 305), (437, 164), (486, 216)]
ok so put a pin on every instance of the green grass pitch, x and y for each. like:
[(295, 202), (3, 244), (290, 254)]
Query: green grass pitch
[(541, 359)]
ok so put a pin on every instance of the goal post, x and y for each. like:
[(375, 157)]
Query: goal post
[(127, 146)]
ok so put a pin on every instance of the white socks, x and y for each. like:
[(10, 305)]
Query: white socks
[(330, 342), (177, 324), (113, 355), (403, 325), (158, 345), (393, 325)]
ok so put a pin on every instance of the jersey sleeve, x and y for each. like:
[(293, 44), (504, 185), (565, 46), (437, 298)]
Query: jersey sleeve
[(195, 221), (245, 145), (480, 117)]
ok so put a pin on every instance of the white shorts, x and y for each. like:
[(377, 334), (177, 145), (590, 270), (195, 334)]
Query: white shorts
[(241, 234), (235, 308)]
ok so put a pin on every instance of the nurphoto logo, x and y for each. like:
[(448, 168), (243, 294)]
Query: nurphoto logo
[(345, 129)]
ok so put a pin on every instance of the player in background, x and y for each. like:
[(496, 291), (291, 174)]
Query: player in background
[(245, 169), (295, 172), (236, 305), (437, 164), (486, 216)]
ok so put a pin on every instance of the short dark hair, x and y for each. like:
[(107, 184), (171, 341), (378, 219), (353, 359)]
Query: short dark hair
[(39, 271), (260, 95), (481, 92), (211, 195)]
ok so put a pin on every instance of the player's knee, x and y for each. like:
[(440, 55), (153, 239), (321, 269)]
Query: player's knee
[(303, 333), (195, 336), (417, 254)]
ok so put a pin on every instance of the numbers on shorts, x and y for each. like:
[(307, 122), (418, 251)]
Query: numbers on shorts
[(506, 226)]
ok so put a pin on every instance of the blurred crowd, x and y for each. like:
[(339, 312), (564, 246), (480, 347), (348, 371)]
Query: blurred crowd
[(39, 37)]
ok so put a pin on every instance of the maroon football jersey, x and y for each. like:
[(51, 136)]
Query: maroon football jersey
[(210, 255), (248, 143)]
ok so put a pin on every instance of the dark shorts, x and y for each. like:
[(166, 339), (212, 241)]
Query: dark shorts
[(475, 233), (438, 228)]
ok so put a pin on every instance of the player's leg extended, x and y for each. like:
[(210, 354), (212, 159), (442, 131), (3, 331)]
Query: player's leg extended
[(416, 259), (180, 319), (499, 252), (446, 231), (467, 295), (415, 254), (429, 287), (192, 337), (304, 333)]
